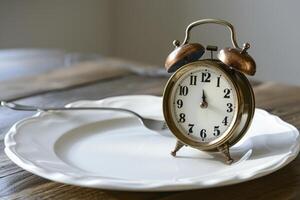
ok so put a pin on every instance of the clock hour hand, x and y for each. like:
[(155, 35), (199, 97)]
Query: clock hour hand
[(203, 104), (203, 96)]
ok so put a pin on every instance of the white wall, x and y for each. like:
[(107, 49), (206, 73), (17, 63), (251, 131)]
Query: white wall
[(143, 30), (75, 25)]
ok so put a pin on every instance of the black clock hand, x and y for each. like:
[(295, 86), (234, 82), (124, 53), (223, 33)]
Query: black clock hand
[(203, 96), (203, 104)]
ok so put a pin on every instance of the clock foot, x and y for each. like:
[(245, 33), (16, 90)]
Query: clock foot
[(178, 146), (225, 151)]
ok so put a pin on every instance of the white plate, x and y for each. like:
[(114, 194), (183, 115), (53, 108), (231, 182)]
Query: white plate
[(111, 150)]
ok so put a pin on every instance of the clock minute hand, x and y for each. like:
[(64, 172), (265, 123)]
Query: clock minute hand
[(203, 104), (203, 96)]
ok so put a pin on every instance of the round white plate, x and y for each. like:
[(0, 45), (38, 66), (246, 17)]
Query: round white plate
[(112, 150)]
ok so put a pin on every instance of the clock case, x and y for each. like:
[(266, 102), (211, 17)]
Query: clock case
[(234, 62), (243, 118)]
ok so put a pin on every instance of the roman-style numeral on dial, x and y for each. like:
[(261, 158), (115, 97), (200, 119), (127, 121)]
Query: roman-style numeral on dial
[(229, 109), (179, 103), (225, 121), (218, 81), (217, 131), (203, 133), (191, 126), (205, 77), (181, 117), (183, 90), (227, 93), (193, 80)]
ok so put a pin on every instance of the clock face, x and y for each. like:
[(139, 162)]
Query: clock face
[(204, 103)]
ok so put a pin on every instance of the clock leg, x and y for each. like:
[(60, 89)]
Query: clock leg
[(178, 146), (225, 151)]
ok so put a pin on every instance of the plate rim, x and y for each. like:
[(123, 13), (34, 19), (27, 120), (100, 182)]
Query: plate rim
[(127, 185)]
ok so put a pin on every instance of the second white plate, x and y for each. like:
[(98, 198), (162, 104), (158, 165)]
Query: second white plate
[(113, 150)]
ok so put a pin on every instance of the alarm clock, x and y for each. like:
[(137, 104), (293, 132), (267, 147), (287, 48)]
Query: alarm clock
[(209, 104)]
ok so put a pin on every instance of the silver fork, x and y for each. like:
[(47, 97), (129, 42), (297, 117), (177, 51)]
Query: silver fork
[(152, 124)]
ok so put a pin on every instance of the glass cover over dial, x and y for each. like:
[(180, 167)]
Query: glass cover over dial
[(204, 103)]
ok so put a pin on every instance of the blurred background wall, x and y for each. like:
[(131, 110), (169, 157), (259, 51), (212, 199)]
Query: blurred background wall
[(143, 30), (74, 25)]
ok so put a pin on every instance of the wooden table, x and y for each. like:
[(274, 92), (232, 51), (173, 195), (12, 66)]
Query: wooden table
[(111, 77)]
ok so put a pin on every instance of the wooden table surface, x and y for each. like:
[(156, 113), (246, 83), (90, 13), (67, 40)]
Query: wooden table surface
[(110, 77)]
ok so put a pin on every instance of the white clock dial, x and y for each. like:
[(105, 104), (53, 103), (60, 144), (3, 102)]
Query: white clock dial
[(204, 103)]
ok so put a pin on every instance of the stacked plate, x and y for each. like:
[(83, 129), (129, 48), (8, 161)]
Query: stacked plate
[(112, 150)]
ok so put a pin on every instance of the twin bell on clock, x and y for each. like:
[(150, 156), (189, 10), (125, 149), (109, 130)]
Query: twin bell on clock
[(209, 104)]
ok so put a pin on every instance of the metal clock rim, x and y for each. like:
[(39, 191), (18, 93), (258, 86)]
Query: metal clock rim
[(230, 134), (168, 115)]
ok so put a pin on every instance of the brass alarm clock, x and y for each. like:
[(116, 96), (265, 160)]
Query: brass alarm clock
[(209, 104)]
